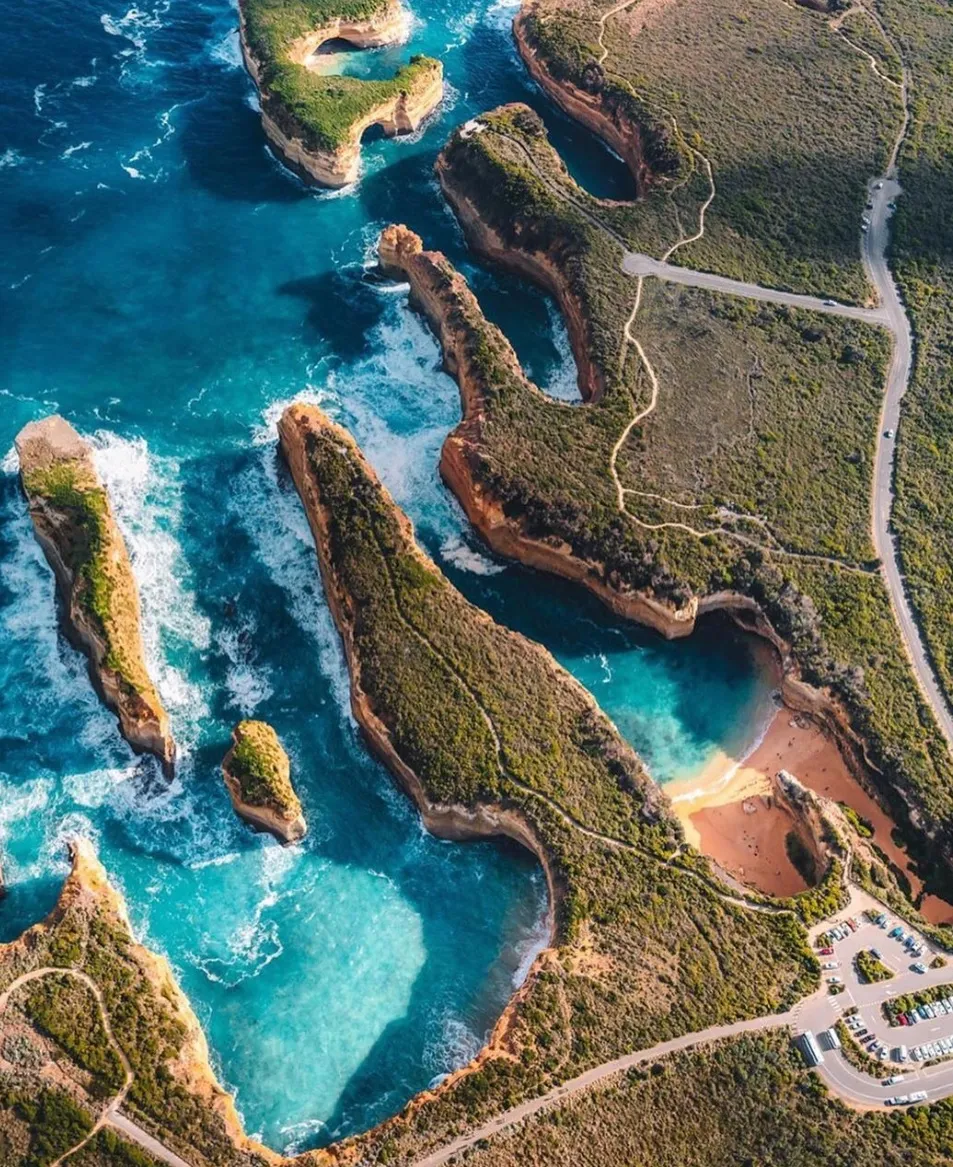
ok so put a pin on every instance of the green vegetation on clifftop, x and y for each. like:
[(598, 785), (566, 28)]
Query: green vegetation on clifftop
[(751, 473), (645, 948)]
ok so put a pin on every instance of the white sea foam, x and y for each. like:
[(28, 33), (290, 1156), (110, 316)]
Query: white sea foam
[(276, 523), (299, 1136), (500, 14), (457, 551), (538, 940), (248, 685), (56, 674), (227, 50), (71, 150), (561, 383), (10, 158), (97, 787), (145, 492), (454, 1045)]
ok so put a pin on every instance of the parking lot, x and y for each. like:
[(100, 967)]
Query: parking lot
[(905, 1048)]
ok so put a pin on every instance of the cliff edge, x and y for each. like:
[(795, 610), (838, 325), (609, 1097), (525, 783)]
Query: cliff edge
[(75, 527), (257, 774)]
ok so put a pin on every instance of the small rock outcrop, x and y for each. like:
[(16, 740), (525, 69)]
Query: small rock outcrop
[(100, 602), (258, 777)]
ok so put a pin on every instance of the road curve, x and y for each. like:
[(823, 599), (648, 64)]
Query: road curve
[(898, 377), (635, 263), (110, 1115)]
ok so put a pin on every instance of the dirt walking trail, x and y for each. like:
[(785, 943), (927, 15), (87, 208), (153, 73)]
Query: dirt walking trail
[(110, 1115)]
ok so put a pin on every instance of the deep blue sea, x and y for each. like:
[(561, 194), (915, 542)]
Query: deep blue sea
[(168, 287)]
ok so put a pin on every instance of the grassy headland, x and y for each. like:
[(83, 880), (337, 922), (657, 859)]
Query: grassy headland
[(490, 735), (315, 120), (790, 117)]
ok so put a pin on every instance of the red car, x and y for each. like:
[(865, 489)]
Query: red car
[(826, 951), (903, 1019)]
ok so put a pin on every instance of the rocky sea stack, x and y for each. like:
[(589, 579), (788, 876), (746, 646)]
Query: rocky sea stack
[(258, 776), (79, 536), (314, 120)]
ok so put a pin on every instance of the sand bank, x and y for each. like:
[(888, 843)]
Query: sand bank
[(726, 813)]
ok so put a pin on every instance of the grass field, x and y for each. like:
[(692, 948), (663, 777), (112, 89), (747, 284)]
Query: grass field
[(746, 1101), (792, 119)]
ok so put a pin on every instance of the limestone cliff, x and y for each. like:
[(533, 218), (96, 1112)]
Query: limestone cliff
[(442, 295), (258, 777), (603, 104), (315, 122), (296, 428), (100, 602)]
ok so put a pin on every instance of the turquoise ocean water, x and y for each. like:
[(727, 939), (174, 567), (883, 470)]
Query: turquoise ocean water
[(168, 287)]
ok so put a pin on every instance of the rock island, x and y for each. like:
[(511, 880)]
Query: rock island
[(75, 527), (314, 121), (258, 776)]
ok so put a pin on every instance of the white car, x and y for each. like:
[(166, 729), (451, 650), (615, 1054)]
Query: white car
[(920, 967), (918, 1096), (931, 1012), (917, 1054), (834, 981), (940, 1008), (829, 964), (830, 303)]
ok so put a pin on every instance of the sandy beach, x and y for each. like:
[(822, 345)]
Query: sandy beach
[(726, 815)]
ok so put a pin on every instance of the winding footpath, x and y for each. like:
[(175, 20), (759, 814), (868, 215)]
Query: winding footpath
[(110, 1115), (819, 1010)]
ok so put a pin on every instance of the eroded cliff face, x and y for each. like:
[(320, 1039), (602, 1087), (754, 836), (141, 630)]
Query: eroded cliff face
[(401, 113), (589, 108), (442, 295), (447, 821), (100, 601)]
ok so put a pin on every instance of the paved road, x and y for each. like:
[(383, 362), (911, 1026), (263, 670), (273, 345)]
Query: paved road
[(890, 314), (817, 1012), (898, 377), (134, 1133), (636, 264)]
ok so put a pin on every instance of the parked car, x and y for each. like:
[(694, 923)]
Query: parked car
[(826, 951), (875, 952), (834, 981), (918, 1096), (919, 967), (829, 964)]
